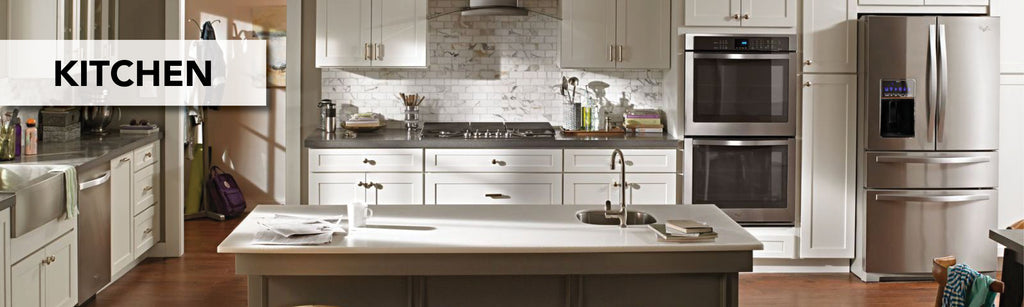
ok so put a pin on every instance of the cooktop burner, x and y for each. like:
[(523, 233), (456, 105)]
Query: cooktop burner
[(488, 130)]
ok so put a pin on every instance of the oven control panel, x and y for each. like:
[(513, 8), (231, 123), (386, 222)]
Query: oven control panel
[(739, 43)]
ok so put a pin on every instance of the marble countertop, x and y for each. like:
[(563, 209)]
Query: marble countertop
[(86, 153), (400, 138), (432, 229)]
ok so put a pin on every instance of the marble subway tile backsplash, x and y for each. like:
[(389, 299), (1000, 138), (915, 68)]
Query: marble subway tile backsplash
[(485, 65)]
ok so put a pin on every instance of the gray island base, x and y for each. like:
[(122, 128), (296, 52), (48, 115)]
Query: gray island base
[(494, 256)]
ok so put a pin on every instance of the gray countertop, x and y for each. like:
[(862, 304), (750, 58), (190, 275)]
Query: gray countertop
[(1013, 239), (400, 138), (86, 153)]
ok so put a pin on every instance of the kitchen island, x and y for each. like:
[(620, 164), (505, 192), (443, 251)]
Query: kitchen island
[(503, 255)]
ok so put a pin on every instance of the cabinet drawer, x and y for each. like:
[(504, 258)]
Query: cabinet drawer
[(928, 170), (144, 232), (144, 189), (494, 160), (366, 160), (493, 189), (637, 160), (595, 189), (145, 156), (779, 243)]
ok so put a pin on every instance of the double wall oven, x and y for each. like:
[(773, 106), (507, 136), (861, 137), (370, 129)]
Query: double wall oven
[(739, 123)]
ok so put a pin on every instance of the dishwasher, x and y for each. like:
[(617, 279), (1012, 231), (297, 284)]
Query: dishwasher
[(93, 231)]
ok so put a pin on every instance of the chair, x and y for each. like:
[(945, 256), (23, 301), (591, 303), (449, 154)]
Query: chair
[(940, 270)]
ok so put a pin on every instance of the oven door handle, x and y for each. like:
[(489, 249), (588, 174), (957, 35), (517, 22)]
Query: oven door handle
[(743, 56), (741, 143)]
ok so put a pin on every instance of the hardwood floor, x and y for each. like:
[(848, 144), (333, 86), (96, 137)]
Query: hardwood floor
[(204, 278)]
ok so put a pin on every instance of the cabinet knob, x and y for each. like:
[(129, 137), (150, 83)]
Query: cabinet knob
[(808, 62), (736, 16), (370, 162), (361, 184), (149, 155), (746, 16), (498, 162), (616, 184), (808, 84)]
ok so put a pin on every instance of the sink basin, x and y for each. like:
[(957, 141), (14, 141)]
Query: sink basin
[(597, 217), (39, 195)]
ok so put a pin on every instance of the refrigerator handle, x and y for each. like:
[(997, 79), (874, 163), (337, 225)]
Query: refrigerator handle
[(943, 84), (933, 86)]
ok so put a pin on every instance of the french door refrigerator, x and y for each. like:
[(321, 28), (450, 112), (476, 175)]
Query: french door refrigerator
[(928, 124)]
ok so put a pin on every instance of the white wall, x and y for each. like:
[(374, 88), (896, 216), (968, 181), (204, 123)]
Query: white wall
[(249, 142)]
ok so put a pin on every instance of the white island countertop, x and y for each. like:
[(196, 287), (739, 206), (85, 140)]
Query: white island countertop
[(480, 229)]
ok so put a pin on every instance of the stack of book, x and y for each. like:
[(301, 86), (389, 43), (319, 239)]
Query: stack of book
[(363, 120), (684, 231), (644, 121)]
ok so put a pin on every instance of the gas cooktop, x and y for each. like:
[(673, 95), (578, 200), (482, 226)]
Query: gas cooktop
[(488, 130)]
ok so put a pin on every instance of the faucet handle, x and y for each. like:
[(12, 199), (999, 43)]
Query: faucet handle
[(607, 205)]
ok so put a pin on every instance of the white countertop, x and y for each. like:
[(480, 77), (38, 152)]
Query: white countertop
[(434, 229)]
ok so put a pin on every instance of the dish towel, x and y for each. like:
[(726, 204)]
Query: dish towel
[(958, 285), (70, 191), (980, 295)]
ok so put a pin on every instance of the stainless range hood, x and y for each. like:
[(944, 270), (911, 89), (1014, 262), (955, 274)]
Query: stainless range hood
[(495, 8)]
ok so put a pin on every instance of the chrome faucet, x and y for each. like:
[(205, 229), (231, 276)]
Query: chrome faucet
[(621, 214)]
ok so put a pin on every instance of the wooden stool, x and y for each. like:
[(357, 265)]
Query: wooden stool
[(940, 270)]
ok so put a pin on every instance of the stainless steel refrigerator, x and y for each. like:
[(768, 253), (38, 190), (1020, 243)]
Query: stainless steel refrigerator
[(928, 135)]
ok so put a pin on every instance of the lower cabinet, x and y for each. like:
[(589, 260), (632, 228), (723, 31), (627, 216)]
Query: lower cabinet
[(595, 189), (493, 189), (828, 162), (371, 188), (47, 278), (120, 213), (144, 233)]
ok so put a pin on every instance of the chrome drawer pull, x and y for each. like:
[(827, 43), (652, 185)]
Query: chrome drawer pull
[(933, 160), (932, 198)]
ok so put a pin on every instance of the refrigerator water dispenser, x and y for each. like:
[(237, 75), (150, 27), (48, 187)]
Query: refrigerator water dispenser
[(897, 108)]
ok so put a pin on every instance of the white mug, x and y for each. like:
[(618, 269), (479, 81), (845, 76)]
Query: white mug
[(358, 212)]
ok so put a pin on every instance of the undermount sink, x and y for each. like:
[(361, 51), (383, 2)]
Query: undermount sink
[(39, 194), (597, 217)]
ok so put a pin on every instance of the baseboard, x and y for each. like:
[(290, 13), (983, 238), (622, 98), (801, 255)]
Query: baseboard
[(801, 265)]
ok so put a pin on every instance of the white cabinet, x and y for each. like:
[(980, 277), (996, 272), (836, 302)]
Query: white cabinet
[(830, 36), (828, 160), (1011, 167), (494, 160), (595, 189), (637, 160), (1011, 20), (366, 160), (629, 34), (120, 213), (48, 277), (371, 188), (740, 13), (145, 231), (378, 33), (493, 189)]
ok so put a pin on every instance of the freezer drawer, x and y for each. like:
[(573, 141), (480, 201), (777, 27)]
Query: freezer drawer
[(931, 170), (906, 229)]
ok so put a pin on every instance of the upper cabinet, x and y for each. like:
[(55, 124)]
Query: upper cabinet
[(371, 33), (740, 13), (1011, 19), (61, 19), (830, 36), (629, 34)]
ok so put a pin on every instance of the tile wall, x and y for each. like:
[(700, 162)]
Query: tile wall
[(485, 65)]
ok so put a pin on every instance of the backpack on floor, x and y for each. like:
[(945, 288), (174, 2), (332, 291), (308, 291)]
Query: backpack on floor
[(224, 193)]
